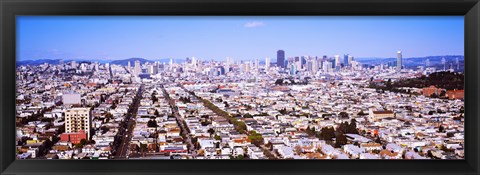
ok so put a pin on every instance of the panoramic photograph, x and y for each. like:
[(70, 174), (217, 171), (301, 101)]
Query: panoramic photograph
[(240, 87)]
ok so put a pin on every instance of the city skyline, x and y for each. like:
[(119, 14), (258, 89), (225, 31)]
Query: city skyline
[(240, 38)]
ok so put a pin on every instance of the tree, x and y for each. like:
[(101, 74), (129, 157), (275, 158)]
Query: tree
[(327, 133), (389, 85), (342, 127), (211, 131), (83, 142), (143, 148), (340, 140), (217, 137), (152, 123), (343, 115), (352, 127), (441, 128), (361, 113), (104, 129), (109, 115), (247, 115), (283, 111), (279, 82), (240, 126), (256, 139), (226, 104), (298, 149), (377, 140)]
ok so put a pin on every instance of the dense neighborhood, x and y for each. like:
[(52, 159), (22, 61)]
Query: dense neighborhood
[(300, 108)]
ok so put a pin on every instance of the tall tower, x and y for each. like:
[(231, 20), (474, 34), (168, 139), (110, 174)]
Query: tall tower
[(345, 59), (138, 69), (350, 59), (337, 61), (399, 61), (427, 63), (281, 58), (227, 65), (194, 62), (443, 62), (458, 63), (267, 63)]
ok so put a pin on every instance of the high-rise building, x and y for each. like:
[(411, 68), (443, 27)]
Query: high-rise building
[(314, 65), (345, 59), (337, 61), (327, 66), (399, 60), (443, 62), (281, 58), (458, 63), (152, 69), (137, 68), (292, 69), (350, 59), (194, 62), (227, 64), (257, 64), (267, 63), (77, 120), (304, 61)]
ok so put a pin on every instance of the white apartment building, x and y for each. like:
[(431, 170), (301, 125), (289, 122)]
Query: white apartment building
[(77, 119)]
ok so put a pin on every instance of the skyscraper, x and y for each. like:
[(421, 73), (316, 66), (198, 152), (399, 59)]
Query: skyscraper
[(227, 64), (281, 58), (292, 69), (337, 61), (194, 62), (345, 59), (267, 63), (399, 60), (350, 59), (443, 62), (458, 63), (137, 68)]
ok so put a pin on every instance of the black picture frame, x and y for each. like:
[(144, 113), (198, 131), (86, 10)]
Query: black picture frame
[(11, 8)]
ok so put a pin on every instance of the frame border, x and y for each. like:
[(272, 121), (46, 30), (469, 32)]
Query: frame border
[(470, 9)]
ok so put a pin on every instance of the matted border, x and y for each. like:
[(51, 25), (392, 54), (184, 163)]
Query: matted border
[(11, 8)]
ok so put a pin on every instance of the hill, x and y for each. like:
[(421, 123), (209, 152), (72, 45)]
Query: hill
[(131, 60)]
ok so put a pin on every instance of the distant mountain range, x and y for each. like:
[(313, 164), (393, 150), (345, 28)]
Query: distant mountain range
[(435, 61), (123, 62), (131, 60), (38, 62)]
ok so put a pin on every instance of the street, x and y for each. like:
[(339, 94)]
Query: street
[(127, 136)]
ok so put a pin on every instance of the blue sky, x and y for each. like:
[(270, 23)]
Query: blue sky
[(241, 38)]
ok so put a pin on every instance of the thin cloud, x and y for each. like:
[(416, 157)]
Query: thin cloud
[(254, 24)]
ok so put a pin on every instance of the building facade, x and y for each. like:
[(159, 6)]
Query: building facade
[(281, 58), (78, 119)]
